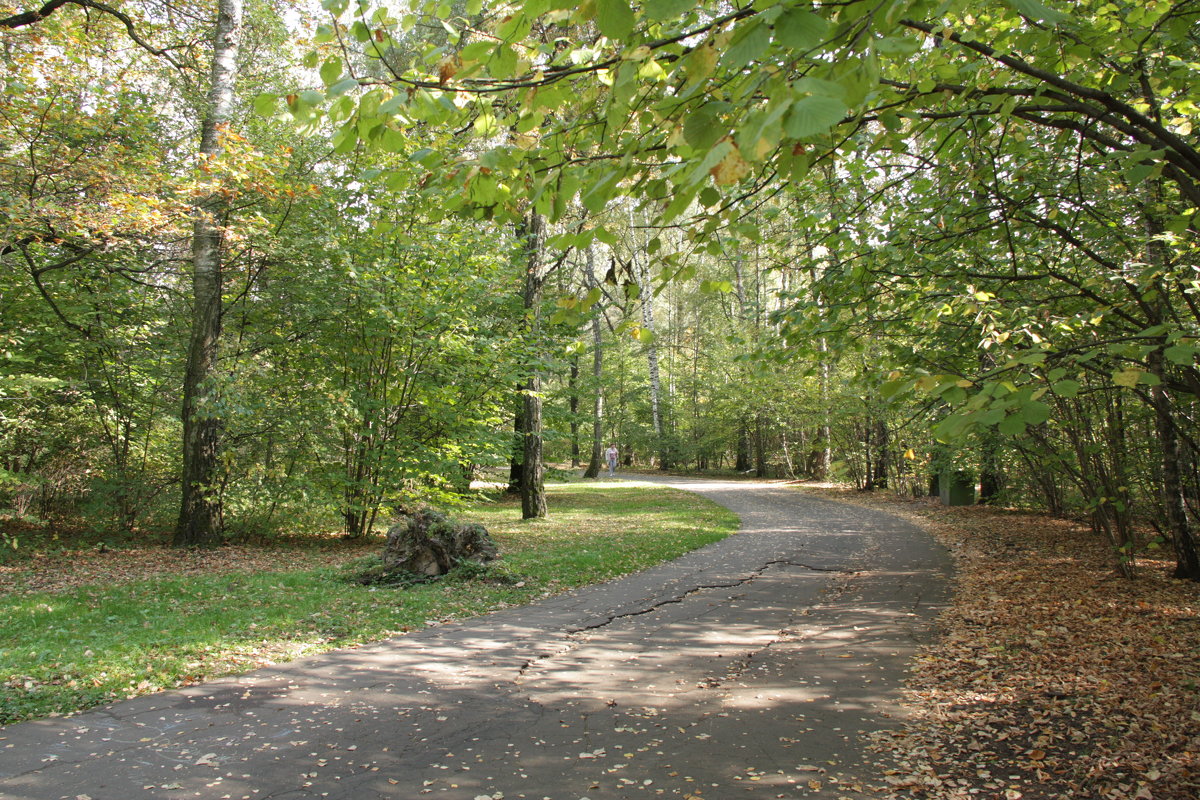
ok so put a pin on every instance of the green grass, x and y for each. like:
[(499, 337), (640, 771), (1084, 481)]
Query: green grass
[(64, 652)]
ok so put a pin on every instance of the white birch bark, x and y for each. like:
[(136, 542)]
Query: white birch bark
[(200, 513)]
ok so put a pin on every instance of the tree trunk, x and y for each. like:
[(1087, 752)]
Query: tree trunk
[(1187, 560), (991, 477), (822, 448), (573, 390), (533, 490), (593, 468), (760, 449), (742, 461), (647, 297), (518, 448), (880, 439), (200, 510)]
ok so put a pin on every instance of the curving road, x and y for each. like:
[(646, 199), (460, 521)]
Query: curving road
[(746, 669)]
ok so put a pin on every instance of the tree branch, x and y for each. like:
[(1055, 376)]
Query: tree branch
[(34, 17)]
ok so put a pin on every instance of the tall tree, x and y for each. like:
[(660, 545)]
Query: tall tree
[(596, 457), (200, 512), (532, 483)]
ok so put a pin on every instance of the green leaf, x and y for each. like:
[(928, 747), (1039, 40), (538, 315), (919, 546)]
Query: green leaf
[(331, 70), (600, 192), (710, 160), (1067, 388), (614, 18), (703, 128), (1182, 354), (485, 125), (1035, 10), (1035, 412), (504, 62), (897, 45), (800, 29), (265, 104), (659, 10), (477, 51), (992, 416), (392, 140), (1012, 425), (952, 427), (341, 87), (345, 139), (603, 234), (811, 116), (1139, 172), (748, 44), (895, 388)]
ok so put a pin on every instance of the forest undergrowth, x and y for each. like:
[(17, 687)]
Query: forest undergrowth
[(1051, 675)]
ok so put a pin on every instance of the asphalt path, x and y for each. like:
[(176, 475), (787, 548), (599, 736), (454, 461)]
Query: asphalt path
[(748, 668)]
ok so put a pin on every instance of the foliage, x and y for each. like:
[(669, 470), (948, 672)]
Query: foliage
[(861, 241)]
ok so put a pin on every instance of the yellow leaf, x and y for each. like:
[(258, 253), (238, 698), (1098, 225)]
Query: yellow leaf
[(731, 169), (1127, 377)]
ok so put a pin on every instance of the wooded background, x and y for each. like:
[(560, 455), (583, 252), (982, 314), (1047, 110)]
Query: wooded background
[(278, 267)]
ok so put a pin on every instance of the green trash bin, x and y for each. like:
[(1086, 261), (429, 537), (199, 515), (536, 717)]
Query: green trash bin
[(957, 488)]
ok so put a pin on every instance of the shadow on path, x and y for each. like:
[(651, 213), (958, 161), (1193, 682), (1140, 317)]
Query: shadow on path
[(748, 668)]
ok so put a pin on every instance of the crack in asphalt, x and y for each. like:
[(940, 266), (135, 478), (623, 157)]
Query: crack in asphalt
[(757, 573), (739, 666), (723, 675)]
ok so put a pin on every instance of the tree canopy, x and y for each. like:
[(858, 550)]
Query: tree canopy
[(874, 241)]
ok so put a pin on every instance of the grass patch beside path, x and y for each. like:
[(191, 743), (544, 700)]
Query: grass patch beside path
[(115, 637)]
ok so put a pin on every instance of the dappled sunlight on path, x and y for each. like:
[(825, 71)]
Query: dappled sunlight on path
[(751, 667)]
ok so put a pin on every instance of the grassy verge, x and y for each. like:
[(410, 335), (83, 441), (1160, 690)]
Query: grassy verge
[(121, 636)]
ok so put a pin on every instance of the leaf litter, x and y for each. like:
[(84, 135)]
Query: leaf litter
[(63, 571), (1051, 676)]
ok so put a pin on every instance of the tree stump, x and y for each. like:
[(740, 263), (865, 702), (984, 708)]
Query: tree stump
[(428, 543)]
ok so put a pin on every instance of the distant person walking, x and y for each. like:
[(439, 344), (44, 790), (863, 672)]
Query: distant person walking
[(611, 456)]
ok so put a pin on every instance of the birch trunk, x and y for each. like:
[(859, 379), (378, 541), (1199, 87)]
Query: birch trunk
[(647, 297), (200, 508)]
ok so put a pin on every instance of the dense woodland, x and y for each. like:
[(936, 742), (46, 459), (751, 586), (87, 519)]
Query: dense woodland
[(275, 267)]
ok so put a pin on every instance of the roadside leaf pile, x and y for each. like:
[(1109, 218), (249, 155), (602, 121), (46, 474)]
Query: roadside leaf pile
[(1052, 677)]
